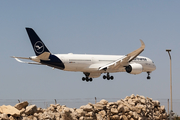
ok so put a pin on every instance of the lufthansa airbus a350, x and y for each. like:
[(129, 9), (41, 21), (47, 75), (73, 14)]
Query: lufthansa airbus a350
[(91, 65)]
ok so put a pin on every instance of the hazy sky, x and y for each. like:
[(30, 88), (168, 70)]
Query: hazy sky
[(89, 27)]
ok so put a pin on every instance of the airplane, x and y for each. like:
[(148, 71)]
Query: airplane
[(91, 65)]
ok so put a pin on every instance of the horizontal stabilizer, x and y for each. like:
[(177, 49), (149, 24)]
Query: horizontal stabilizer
[(21, 58), (18, 59)]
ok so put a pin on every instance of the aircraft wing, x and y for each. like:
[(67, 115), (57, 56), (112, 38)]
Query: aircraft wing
[(18, 59), (124, 61)]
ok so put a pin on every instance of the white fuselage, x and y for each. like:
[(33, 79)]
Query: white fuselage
[(92, 63)]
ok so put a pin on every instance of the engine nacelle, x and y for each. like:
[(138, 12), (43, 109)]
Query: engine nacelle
[(134, 68)]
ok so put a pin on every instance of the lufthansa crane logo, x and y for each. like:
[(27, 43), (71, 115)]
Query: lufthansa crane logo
[(39, 47)]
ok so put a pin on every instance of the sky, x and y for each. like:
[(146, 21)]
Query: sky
[(89, 27)]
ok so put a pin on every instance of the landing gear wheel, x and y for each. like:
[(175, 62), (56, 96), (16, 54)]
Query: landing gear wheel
[(87, 79), (83, 78), (108, 77), (148, 77)]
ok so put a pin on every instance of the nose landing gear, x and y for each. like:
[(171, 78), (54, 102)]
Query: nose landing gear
[(108, 77), (148, 77)]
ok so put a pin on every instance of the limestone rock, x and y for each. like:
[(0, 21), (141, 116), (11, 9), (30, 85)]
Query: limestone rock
[(126, 109), (99, 117), (114, 111), (21, 105), (112, 103), (135, 115), (124, 117), (156, 103), (46, 115), (164, 116), (99, 107), (9, 110), (162, 109), (90, 114), (132, 96), (39, 110), (81, 118), (121, 108), (115, 117), (4, 117), (103, 113), (130, 101), (11, 118), (80, 112), (87, 108), (143, 101), (31, 110), (103, 102), (22, 111)]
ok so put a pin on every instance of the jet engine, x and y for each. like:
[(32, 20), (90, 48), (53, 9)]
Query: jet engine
[(134, 68)]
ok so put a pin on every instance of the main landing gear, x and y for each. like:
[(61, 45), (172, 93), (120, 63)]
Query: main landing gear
[(148, 77), (87, 77), (108, 77)]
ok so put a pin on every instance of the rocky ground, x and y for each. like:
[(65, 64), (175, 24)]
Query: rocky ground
[(131, 108)]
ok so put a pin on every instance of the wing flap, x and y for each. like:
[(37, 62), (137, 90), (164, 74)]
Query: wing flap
[(113, 64)]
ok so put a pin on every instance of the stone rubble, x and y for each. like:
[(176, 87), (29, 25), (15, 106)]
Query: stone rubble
[(131, 108)]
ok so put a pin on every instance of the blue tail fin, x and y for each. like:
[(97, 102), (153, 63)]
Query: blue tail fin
[(38, 46)]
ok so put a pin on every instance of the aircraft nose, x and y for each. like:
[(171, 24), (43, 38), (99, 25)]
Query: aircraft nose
[(154, 67)]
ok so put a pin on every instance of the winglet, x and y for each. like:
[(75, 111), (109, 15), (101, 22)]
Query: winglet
[(142, 44), (135, 53)]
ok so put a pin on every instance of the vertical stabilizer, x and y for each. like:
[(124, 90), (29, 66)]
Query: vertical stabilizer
[(38, 46)]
